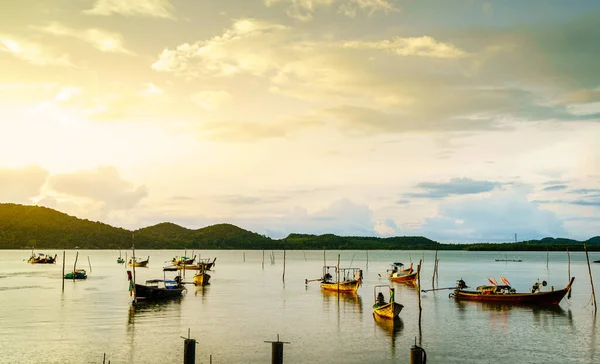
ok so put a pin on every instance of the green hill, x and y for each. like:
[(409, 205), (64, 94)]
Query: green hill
[(44, 228)]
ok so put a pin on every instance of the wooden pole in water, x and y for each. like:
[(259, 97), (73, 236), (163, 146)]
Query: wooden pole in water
[(419, 293), (434, 265), (569, 265), (75, 264), (303, 252), (324, 258), (591, 280), (338, 276), (133, 264), (367, 260), (244, 256), (263, 261), (63, 276), (283, 277), (547, 258), (90, 264)]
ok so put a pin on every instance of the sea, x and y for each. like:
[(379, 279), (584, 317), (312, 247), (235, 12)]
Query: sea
[(254, 298)]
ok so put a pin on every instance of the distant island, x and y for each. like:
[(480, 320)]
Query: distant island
[(23, 226)]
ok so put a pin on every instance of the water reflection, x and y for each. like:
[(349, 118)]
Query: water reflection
[(202, 291), (345, 301), (392, 328), (142, 309)]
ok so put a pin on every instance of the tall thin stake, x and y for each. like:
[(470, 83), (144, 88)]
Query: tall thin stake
[(133, 264), (367, 260), (591, 280), (63, 276), (419, 293), (569, 265), (547, 258), (338, 276), (434, 265), (90, 264), (324, 258), (283, 277), (263, 261), (75, 265)]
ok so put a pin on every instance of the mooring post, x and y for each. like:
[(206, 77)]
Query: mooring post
[(189, 350), (277, 351), (417, 354), (63, 274)]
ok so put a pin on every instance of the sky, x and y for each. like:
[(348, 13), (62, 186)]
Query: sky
[(458, 120)]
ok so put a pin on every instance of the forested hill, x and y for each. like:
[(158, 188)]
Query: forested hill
[(44, 228)]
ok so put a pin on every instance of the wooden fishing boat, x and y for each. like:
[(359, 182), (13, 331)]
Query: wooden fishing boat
[(155, 289), (347, 279), (203, 264), (138, 263), (41, 258), (388, 310), (505, 294), (410, 278), (120, 260), (76, 274), (201, 279), (183, 260)]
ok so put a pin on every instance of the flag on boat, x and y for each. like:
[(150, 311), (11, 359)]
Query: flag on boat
[(504, 280), (491, 282)]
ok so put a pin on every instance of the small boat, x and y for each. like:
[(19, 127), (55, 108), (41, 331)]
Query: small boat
[(138, 263), (76, 274), (596, 261), (120, 260), (155, 289), (410, 278), (347, 279), (203, 264), (507, 295), (201, 278), (381, 308), (41, 258), (183, 260)]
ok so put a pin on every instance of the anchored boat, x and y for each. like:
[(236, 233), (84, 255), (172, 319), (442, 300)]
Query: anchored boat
[(389, 309), (506, 294)]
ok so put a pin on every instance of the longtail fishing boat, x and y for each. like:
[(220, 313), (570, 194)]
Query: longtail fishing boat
[(407, 278), (203, 264), (389, 309), (155, 289), (181, 260), (201, 278), (505, 294), (76, 274), (347, 279), (41, 258), (138, 263)]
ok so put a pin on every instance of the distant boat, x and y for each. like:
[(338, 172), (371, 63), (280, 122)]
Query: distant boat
[(381, 308), (596, 261), (183, 260), (120, 260), (155, 289), (41, 258), (507, 295), (138, 263), (77, 274), (508, 260)]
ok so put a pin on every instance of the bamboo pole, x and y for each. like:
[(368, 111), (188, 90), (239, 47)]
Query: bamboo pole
[(419, 293), (303, 252), (133, 264), (569, 264), (90, 264), (338, 276), (547, 258), (434, 265), (63, 274), (244, 256), (75, 265), (324, 258), (263, 260), (367, 260), (591, 280), (283, 277)]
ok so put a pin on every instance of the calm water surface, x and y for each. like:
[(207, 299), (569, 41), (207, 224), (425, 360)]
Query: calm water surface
[(246, 305)]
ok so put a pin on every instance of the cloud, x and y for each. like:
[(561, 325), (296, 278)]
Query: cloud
[(32, 52), (494, 218), (146, 8), (21, 185), (594, 201), (211, 100), (100, 39), (456, 186), (556, 188), (585, 191), (151, 90), (232, 53), (249, 130), (304, 9), (424, 46), (102, 185)]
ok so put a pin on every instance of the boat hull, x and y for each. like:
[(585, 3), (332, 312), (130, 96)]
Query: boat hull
[(550, 298), (201, 279), (404, 278), (388, 311), (147, 293), (346, 286), (76, 275)]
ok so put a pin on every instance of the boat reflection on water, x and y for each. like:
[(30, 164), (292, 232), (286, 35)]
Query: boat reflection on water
[(344, 301), (148, 308), (392, 328), (202, 291)]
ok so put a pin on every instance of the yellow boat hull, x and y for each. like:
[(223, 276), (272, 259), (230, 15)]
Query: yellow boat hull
[(388, 311), (346, 286)]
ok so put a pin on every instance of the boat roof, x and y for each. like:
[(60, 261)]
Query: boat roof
[(398, 264)]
